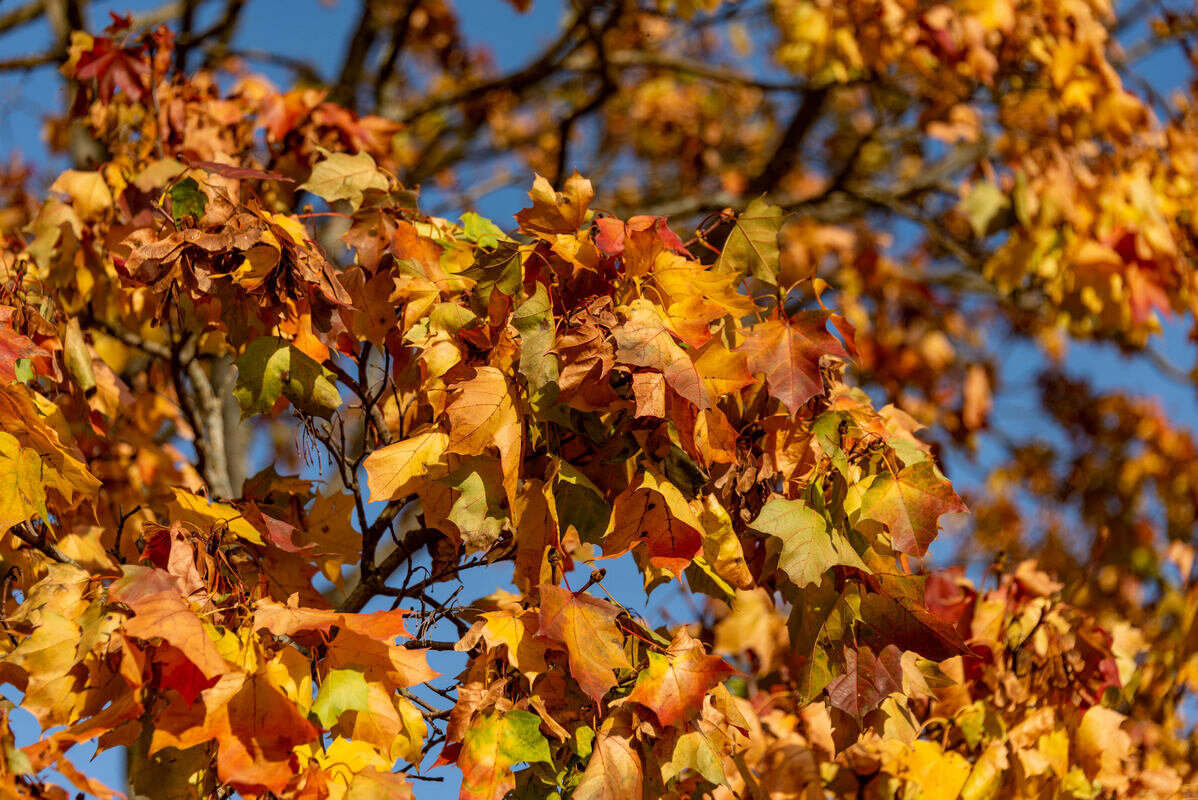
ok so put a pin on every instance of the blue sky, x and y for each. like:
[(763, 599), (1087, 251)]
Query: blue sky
[(316, 30)]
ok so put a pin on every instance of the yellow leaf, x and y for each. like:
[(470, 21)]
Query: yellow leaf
[(395, 470), (940, 775), (204, 514), (1101, 747), (89, 194), (483, 414)]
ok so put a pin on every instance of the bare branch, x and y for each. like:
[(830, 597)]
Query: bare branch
[(21, 15)]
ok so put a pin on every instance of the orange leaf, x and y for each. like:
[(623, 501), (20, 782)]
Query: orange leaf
[(587, 627), (674, 684), (788, 353)]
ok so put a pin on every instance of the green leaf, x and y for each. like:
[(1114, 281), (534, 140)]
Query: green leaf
[(342, 690), (801, 541), (23, 369), (534, 320), (344, 177), (481, 230), (271, 368), (187, 200), (476, 510), (500, 270), (579, 502), (694, 751), (581, 741), (752, 246)]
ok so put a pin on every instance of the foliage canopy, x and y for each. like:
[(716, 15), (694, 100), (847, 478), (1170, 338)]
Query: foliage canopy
[(752, 402)]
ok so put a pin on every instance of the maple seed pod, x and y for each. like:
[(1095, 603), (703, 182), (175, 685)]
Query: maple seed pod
[(78, 359)]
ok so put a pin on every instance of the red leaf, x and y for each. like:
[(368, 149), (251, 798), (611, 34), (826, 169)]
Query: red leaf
[(788, 352), (868, 681), (114, 67)]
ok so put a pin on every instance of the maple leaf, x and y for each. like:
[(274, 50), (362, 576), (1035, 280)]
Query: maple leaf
[(341, 690), (655, 512), (365, 642), (614, 770), (534, 320), (396, 470), (675, 683), (494, 743), (553, 212), (942, 774), (328, 524), (894, 611), (483, 414), (113, 67), (271, 368), (722, 371), (645, 341), (509, 629), (802, 542), (910, 505), (752, 245), (340, 176), (867, 681), (235, 172), (696, 751), (161, 612), (255, 725), (14, 347), (586, 626), (22, 485), (788, 353)]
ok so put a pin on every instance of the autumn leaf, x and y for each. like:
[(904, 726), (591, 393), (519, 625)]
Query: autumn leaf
[(644, 341), (910, 505), (113, 67), (254, 725), (340, 176), (752, 245), (586, 627), (341, 690), (654, 512), (614, 770), (788, 353), (941, 774), (675, 682), (509, 629), (22, 483), (553, 212), (161, 612), (696, 751), (894, 610), (14, 347), (494, 743), (803, 543), (271, 368), (867, 681), (396, 470), (88, 191), (482, 415)]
